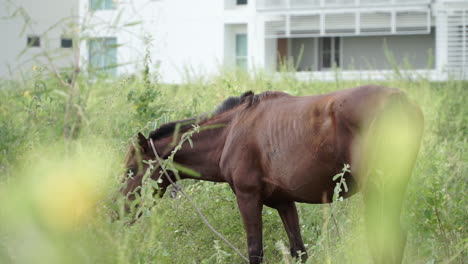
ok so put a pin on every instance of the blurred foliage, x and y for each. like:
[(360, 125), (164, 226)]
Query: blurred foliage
[(42, 174)]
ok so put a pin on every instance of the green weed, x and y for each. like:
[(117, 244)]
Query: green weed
[(107, 113)]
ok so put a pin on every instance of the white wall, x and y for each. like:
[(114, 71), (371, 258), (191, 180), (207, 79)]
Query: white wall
[(132, 22), (189, 35), (230, 32), (49, 19), (186, 36)]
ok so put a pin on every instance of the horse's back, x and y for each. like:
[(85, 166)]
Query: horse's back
[(297, 144)]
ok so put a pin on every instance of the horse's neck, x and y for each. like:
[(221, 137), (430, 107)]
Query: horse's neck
[(206, 152)]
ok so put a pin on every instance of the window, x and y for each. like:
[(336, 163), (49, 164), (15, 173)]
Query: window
[(33, 41), (241, 2), (241, 51), (101, 4), (103, 55), (329, 53), (66, 43)]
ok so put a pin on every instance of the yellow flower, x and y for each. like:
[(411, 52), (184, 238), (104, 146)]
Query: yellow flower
[(26, 94), (34, 67), (66, 198)]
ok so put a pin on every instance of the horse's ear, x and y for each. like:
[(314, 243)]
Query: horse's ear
[(246, 95), (142, 142)]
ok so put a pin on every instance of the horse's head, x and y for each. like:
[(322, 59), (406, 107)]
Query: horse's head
[(137, 164)]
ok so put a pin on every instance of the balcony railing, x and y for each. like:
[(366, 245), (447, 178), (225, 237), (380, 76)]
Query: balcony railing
[(348, 24), (457, 40), (277, 5)]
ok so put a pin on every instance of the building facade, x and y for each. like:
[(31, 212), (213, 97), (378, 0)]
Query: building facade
[(362, 38)]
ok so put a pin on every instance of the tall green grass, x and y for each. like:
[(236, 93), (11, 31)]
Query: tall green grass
[(57, 192)]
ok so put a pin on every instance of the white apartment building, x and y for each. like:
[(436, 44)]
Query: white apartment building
[(362, 38)]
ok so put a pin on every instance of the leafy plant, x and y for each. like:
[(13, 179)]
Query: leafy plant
[(341, 184)]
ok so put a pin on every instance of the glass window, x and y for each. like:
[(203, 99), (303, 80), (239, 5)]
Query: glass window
[(337, 49), (330, 53), (66, 43), (241, 2), (33, 41), (241, 51), (103, 55), (326, 52), (101, 4)]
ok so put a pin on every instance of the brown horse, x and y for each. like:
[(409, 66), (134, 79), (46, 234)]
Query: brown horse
[(275, 149)]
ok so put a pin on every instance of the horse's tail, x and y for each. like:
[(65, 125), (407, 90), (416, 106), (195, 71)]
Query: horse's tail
[(394, 136), (391, 147)]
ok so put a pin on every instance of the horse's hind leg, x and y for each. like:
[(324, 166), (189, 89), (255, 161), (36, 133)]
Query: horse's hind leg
[(288, 214)]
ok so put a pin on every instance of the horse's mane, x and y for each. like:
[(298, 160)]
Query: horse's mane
[(248, 97), (169, 128), (230, 103)]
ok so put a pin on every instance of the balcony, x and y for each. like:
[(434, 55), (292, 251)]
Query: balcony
[(348, 24), (282, 5)]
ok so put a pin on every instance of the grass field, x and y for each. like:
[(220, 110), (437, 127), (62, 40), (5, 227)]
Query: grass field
[(56, 191)]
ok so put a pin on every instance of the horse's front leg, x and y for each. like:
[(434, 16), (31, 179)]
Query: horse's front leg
[(250, 207)]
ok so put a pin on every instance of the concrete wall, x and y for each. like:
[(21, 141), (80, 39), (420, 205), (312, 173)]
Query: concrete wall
[(48, 19), (368, 53)]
